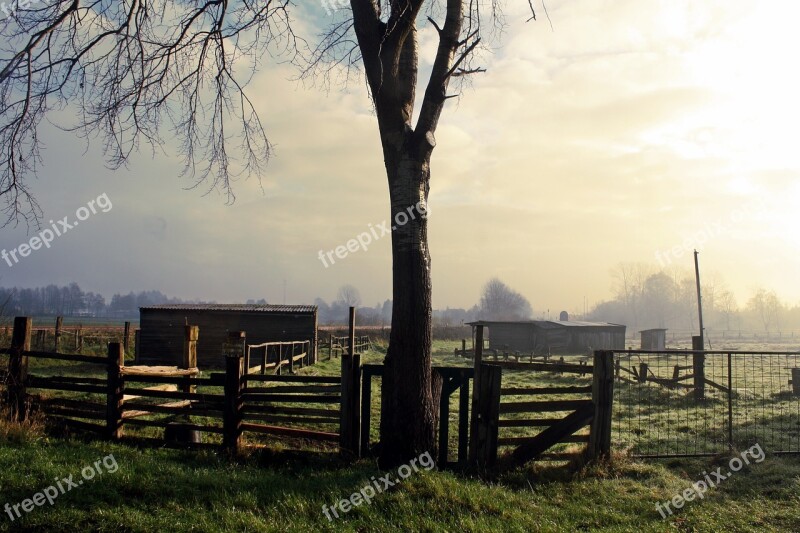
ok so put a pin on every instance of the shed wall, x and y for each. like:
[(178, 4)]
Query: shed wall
[(161, 334)]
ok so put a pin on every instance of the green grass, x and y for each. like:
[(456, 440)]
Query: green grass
[(167, 490)]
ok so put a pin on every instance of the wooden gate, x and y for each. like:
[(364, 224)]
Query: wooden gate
[(559, 408)]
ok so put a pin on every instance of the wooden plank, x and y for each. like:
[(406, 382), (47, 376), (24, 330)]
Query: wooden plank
[(291, 432), (72, 379), (67, 357), (178, 381), (294, 379), (282, 410), (543, 406), (163, 371), (716, 385), (39, 383), (554, 434), (176, 395), (290, 419), (291, 398), (134, 410), (545, 367), (519, 441), (528, 422), (322, 389), (521, 391)]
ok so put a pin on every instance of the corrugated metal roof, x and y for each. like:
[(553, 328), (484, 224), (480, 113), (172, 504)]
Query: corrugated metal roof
[(547, 324), (249, 308)]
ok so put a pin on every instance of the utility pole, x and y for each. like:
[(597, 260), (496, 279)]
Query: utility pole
[(699, 301)]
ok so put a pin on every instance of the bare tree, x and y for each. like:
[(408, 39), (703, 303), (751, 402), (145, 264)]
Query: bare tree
[(500, 302), (133, 67), (767, 307), (349, 296), (727, 306)]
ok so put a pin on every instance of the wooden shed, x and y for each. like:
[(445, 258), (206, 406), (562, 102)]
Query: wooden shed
[(162, 329), (553, 336), (654, 339)]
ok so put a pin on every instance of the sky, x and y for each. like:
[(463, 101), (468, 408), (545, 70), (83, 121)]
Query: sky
[(629, 132)]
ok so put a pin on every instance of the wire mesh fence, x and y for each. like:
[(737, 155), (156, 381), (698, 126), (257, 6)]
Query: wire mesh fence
[(683, 403)]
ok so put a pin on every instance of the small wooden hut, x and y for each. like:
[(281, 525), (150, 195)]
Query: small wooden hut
[(654, 339), (553, 336)]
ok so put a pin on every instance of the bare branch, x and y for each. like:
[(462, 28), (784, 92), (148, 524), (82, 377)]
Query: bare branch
[(131, 68)]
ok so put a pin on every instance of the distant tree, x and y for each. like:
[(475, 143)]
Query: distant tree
[(767, 307), (726, 303), (500, 302), (348, 296)]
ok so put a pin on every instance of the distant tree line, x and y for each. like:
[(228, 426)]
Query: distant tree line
[(70, 300), (646, 296)]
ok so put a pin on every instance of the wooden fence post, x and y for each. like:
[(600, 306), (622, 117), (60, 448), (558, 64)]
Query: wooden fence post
[(345, 416), (355, 408), (602, 397), (190, 336), (59, 324), (488, 415), (41, 335), (18, 368), (351, 331), (79, 338), (699, 368), (232, 414), (116, 388), (642, 377), (136, 343), (350, 409), (126, 336), (473, 428)]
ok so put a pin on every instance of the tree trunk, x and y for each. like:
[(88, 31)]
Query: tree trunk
[(408, 413)]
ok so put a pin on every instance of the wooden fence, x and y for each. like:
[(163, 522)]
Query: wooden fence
[(321, 408), (225, 404), (277, 355), (341, 345)]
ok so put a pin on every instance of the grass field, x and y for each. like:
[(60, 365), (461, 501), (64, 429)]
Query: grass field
[(275, 487)]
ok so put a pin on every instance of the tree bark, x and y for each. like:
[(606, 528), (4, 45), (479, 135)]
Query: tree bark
[(408, 413)]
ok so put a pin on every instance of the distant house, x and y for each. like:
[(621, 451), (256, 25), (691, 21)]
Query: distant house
[(553, 336), (654, 339), (162, 329)]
